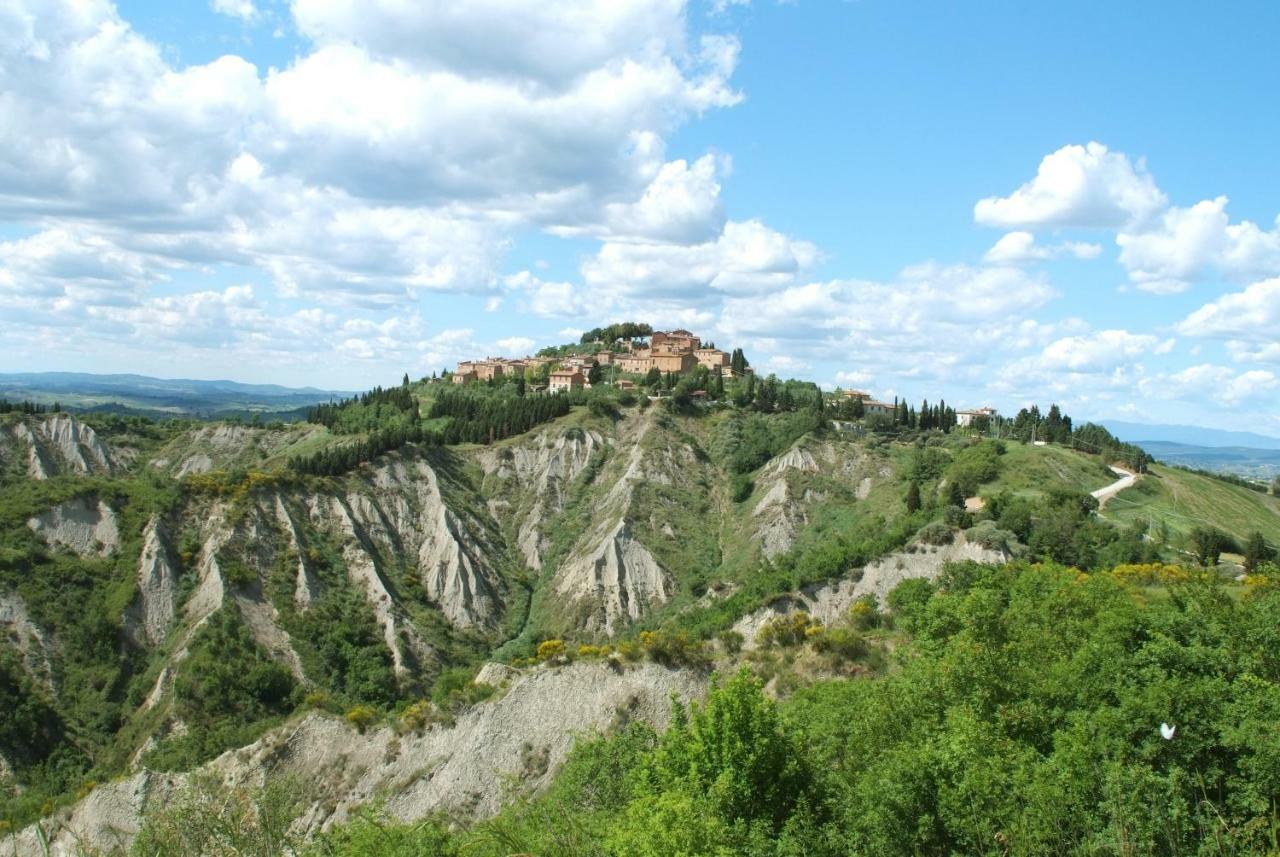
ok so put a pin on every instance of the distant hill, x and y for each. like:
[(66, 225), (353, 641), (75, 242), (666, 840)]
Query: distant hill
[(162, 397), (1241, 460), (1190, 435)]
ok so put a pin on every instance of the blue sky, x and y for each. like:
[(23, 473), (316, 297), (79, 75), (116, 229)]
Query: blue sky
[(994, 202)]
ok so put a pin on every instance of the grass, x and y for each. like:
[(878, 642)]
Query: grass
[(1031, 471), (1182, 500)]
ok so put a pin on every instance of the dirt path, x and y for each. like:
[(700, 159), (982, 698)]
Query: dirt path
[(1127, 478)]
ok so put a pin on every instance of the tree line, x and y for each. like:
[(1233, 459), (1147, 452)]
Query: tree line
[(30, 408), (610, 334), (473, 417), (373, 409), (485, 419)]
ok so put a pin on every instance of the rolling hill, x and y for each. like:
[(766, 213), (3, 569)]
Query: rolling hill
[(162, 397), (172, 592)]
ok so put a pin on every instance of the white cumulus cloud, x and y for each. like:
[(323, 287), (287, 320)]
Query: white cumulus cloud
[(1015, 248), (1088, 186), (1186, 243)]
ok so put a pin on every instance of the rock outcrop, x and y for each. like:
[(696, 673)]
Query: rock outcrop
[(611, 577), (221, 446), (782, 511), (87, 526)]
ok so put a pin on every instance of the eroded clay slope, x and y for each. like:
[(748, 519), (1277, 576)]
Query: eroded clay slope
[(54, 445), (525, 732)]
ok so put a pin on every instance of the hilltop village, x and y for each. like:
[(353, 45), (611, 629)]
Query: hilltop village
[(629, 355), (610, 355)]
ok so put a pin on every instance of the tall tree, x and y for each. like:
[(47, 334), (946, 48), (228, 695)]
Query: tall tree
[(1256, 552), (717, 385), (913, 497), (1206, 545)]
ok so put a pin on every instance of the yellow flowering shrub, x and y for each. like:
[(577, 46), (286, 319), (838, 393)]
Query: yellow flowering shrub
[(362, 717), (789, 630), (1151, 573), (551, 649)]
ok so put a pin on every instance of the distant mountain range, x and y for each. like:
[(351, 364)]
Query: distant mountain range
[(162, 397), (1243, 453), (1192, 435)]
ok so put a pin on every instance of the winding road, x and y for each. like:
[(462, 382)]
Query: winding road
[(1127, 478)]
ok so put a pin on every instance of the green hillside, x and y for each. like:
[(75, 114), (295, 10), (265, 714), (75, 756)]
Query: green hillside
[(372, 560), (1031, 471), (1182, 500)]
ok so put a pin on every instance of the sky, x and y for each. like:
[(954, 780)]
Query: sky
[(993, 203)]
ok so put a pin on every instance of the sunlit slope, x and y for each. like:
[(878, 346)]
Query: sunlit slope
[(1183, 500), (1031, 471)]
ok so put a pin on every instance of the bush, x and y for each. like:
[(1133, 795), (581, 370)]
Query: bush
[(864, 613), (909, 600), (208, 817), (227, 691), (361, 717), (673, 649), (936, 533), (549, 650), (731, 641), (370, 833), (791, 629), (603, 408), (974, 466), (423, 714), (841, 643), (956, 516), (317, 699), (1151, 574), (455, 690), (986, 534)]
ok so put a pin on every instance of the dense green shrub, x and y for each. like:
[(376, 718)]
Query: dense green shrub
[(207, 818), (986, 534), (974, 466), (370, 833), (227, 691), (936, 533)]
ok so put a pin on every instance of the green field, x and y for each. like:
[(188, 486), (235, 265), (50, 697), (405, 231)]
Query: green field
[(1184, 500), (1031, 471)]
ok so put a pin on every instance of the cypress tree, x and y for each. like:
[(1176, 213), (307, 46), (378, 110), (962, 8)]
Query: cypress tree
[(1255, 552), (913, 497)]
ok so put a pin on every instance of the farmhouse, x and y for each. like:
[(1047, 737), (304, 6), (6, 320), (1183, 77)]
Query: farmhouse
[(564, 380), (712, 358), (675, 341), (968, 418), (636, 363), (681, 361)]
